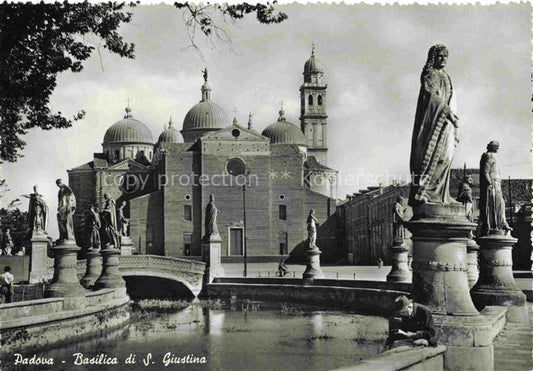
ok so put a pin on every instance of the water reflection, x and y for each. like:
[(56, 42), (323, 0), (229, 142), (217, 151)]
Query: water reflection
[(237, 337)]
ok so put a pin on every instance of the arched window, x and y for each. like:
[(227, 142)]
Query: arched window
[(319, 100), (310, 100)]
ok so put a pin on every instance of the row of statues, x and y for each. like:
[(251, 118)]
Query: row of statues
[(435, 136), (108, 222)]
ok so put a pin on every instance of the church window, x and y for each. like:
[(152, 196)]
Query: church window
[(117, 154), (282, 212), (187, 212), (187, 197), (283, 237), (319, 100), (310, 100)]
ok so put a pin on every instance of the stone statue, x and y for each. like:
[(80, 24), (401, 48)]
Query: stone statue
[(491, 204), (434, 134), (122, 221), (109, 221), (398, 218), (211, 212), (464, 196), (204, 72), (311, 229), (37, 212), (95, 228), (66, 206), (7, 243)]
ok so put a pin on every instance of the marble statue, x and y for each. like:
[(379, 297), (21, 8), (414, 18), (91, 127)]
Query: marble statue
[(434, 134), (211, 212), (398, 218), (96, 224), (311, 229), (464, 196), (491, 203), (66, 206), (122, 221), (37, 212), (109, 221)]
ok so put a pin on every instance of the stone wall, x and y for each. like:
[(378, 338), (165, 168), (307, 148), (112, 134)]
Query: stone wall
[(39, 324), (362, 296), (20, 266)]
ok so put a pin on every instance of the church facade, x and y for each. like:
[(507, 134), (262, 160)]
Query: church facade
[(264, 184)]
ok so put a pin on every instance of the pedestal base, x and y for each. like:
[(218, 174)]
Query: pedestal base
[(65, 281), (211, 256), (38, 256), (496, 284), (472, 272), (110, 278), (468, 339), (126, 246), (312, 269), (93, 270), (440, 232), (400, 271)]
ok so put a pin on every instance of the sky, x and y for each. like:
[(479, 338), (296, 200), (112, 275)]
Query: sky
[(372, 57)]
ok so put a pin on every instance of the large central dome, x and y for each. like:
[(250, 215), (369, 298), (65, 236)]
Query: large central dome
[(203, 117)]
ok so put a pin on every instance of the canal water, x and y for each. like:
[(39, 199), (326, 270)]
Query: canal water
[(236, 336)]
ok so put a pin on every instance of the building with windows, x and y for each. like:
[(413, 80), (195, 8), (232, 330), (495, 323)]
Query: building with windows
[(264, 184)]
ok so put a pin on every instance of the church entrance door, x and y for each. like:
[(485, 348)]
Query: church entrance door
[(235, 241)]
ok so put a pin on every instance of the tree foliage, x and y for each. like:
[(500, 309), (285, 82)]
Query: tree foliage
[(39, 41)]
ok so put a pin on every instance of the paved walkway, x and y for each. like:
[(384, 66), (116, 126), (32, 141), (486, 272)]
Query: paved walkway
[(513, 350)]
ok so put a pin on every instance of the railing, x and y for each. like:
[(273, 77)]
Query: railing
[(161, 262)]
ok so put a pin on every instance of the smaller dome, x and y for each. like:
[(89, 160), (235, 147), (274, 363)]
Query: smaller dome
[(313, 65), (128, 130), (284, 132), (169, 135)]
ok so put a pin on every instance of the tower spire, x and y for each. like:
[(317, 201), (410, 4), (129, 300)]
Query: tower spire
[(250, 120), (206, 89), (281, 113)]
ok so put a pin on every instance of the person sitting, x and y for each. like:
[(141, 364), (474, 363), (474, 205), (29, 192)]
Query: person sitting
[(282, 269), (6, 285), (412, 323)]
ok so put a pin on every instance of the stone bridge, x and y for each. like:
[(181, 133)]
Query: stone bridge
[(188, 272)]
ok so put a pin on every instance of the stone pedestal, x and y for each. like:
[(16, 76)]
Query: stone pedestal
[(37, 250), (110, 278), (496, 284), (312, 269), (440, 233), (211, 256), (126, 245), (93, 269), (65, 281), (400, 268), (472, 272)]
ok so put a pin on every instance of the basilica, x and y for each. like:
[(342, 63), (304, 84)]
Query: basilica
[(263, 184)]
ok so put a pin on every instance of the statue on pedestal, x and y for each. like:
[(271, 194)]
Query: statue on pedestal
[(122, 221), (95, 224), (211, 212), (66, 206), (464, 196), (311, 229), (37, 212), (398, 218), (491, 203), (434, 134), (109, 221)]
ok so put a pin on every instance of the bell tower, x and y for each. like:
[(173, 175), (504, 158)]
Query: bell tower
[(313, 113)]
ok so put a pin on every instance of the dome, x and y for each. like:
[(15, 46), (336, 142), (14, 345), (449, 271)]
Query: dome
[(128, 130), (205, 115), (169, 135), (284, 132), (313, 65)]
